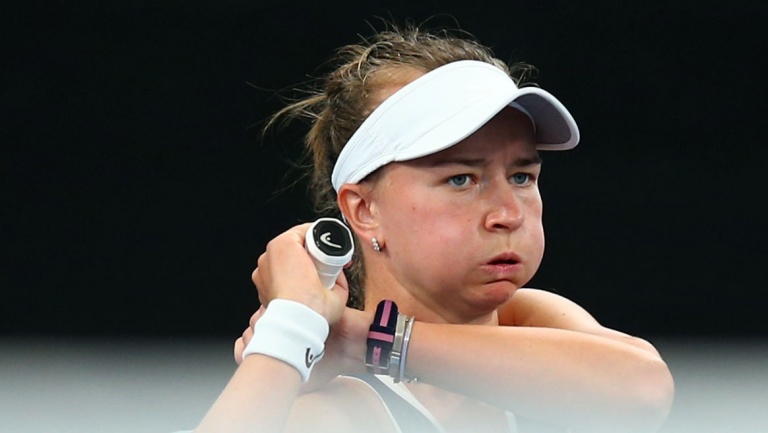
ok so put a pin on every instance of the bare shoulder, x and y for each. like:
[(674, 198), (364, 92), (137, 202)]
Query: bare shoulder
[(540, 308), (344, 405)]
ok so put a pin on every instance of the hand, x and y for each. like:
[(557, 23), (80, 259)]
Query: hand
[(243, 340), (286, 271)]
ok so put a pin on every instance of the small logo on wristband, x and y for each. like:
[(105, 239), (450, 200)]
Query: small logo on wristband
[(310, 359)]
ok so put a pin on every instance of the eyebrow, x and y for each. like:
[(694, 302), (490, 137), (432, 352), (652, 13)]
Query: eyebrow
[(481, 162)]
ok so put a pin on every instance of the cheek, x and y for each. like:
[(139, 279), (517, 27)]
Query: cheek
[(426, 232), (537, 241), (426, 221), (535, 227)]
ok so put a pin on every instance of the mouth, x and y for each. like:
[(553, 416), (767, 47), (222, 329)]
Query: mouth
[(505, 259), (505, 266)]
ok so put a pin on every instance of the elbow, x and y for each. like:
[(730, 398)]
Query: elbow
[(640, 404), (652, 395), (651, 390), (663, 393)]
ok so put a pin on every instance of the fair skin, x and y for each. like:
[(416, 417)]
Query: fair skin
[(473, 214), (461, 234)]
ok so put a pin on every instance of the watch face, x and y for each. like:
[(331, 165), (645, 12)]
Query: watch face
[(332, 238)]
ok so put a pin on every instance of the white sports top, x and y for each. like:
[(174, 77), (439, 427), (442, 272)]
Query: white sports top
[(403, 392)]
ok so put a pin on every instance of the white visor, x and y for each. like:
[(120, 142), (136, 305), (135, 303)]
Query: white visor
[(443, 107)]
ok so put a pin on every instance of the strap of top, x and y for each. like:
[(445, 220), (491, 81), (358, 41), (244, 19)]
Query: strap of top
[(408, 418)]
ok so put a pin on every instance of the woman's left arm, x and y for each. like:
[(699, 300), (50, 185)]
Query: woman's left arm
[(542, 309), (556, 364)]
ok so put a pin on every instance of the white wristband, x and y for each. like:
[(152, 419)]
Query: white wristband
[(291, 332)]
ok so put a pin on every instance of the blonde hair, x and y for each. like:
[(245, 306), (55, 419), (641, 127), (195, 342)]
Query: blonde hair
[(348, 94)]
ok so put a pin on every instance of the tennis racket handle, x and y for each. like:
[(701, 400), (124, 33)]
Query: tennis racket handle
[(329, 242)]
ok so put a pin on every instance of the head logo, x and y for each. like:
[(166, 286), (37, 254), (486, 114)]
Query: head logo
[(326, 239), (310, 359)]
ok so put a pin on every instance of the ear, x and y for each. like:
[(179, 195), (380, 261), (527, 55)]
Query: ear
[(356, 202)]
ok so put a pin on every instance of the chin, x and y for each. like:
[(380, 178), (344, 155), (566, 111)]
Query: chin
[(494, 295)]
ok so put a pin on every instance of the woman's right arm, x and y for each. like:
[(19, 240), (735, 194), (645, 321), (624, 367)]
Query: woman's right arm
[(259, 397), (261, 393)]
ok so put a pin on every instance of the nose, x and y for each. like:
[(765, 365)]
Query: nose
[(505, 210)]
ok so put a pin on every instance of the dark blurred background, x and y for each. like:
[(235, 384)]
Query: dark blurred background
[(137, 192)]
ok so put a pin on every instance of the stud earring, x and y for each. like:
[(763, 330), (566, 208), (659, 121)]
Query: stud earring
[(376, 245)]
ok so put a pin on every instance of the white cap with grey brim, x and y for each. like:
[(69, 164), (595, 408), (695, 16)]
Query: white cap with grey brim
[(443, 107)]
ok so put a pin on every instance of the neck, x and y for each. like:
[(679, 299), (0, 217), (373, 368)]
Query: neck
[(380, 285)]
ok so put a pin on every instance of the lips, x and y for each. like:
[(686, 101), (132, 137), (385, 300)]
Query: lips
[(504, 259), (503, 267)]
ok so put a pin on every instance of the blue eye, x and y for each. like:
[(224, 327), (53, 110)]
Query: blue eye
[(521, 178), (459, 180)]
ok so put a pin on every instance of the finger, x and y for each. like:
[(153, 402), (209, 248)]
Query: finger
[(341, 289), (298, 233), (255, 316), (238, 351), (247, 336), (261, 259), (256, 278), (341, 280), (255, 273), (295, 235)]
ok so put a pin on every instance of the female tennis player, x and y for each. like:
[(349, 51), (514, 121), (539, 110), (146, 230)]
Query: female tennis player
[(428, 149)]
